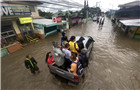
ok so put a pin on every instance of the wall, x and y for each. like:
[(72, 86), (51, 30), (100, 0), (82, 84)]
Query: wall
[(35, 14), (15, 26), (40, 33)]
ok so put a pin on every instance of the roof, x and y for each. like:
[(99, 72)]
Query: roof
[(47, 22), (132, 22), (130, 4)]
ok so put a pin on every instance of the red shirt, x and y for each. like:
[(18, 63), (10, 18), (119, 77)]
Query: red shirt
[(51, 60)]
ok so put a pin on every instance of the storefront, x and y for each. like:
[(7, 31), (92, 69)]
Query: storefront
[(12, 28), (131, 27), (8, 34), (44, 27), (25, 26)]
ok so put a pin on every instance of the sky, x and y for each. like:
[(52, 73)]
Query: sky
[(105, 5)]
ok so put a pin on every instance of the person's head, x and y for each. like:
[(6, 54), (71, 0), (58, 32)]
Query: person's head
[(63, 34), (65, 38), (73, 57), (67, 45), (28, 56), (55, 44), (48, 55), (72, 38)]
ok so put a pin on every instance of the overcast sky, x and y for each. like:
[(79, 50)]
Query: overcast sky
[(105, 5)]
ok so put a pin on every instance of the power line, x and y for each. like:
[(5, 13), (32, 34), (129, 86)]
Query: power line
[(61, 4), (67, 2)]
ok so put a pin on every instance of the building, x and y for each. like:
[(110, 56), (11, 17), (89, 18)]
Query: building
[(44, 27), (20, 21), (16, 22), (129, 10), (128, 18), (131, 27)]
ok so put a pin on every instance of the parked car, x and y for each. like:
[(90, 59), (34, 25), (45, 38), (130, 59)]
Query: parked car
[(68, 76), (95, 18)]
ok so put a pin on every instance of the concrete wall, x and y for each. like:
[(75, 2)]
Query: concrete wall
[(15, 26), (40, 33), (35, 14)]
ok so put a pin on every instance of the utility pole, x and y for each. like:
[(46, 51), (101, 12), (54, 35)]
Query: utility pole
[(96, 7), (87, 10)]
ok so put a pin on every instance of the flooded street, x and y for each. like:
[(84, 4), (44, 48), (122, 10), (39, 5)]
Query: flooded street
[(114, 63)]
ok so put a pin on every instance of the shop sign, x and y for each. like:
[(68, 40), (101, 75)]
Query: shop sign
[(14, 10), (57, 19), (26, 20)]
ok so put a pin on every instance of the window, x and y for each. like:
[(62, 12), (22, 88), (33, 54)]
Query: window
[(8, 35)]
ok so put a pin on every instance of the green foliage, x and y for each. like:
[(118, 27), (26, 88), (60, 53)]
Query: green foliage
[(94, 11), (47, 15)]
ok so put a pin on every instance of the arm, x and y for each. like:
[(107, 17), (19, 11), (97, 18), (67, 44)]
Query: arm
[(26, 64), (72, 68), (69, 54), (77, 47), (34, 61), (53, 63)]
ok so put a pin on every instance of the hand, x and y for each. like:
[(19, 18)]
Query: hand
[(77, 58)]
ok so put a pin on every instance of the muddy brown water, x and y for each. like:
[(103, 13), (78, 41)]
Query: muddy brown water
[(114, 63)]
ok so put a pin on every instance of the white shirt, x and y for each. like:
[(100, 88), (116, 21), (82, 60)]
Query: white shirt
[(67, 53)]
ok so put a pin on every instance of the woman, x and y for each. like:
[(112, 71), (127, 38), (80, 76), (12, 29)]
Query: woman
[(50, 58), (73, 46)]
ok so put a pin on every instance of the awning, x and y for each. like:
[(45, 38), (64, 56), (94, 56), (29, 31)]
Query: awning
[(132, 22), (47, 22)]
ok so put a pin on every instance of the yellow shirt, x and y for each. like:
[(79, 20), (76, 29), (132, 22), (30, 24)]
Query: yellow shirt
[(72, 48)]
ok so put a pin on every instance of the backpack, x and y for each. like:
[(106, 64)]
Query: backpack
[(79, 68)]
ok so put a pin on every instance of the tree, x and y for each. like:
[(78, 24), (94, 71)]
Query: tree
[(47, 15), (95, 11)]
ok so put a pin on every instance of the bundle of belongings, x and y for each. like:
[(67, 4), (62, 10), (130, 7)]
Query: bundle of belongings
[(58, 54)]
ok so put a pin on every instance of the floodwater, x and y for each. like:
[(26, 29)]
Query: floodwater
[(114, 63)]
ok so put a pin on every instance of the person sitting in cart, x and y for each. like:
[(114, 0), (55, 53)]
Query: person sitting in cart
[(63, 38), (76, 67), (67, 55), (50, 58), (73, 46), (83, 57), (64, 42)]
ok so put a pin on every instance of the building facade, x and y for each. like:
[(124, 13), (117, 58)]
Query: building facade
[(16, 22)]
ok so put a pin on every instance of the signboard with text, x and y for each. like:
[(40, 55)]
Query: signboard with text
[(26, 20), (57, 19), (14, 10)]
